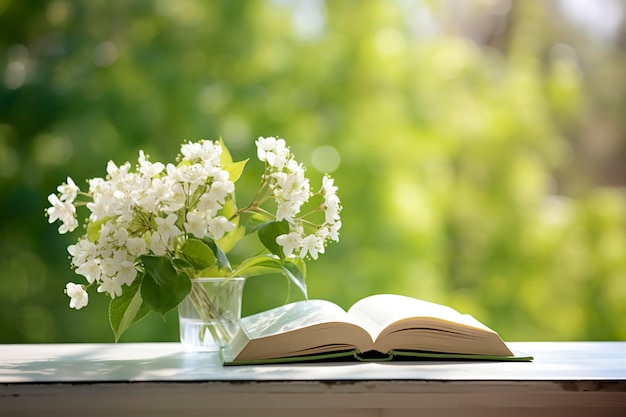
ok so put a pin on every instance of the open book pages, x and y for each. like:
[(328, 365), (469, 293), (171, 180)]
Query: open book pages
[(300, 328), (395, 320), (384, 323)]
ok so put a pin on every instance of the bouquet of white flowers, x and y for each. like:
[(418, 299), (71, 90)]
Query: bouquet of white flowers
[(153, 229)]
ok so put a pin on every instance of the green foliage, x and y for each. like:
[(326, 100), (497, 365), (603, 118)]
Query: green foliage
[(127, 309), (221, 260), (477, 171), (198, 254), (266, 264), (166, 280), (269, 231), (163, 286)]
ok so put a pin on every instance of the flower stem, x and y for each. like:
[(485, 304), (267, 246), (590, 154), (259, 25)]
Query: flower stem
[(208, 313)]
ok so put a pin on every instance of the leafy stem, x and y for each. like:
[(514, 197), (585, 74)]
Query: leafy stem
[(255, 204)]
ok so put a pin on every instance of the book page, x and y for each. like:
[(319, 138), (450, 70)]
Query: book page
[(292, 317), (377, 312), (298, 329)]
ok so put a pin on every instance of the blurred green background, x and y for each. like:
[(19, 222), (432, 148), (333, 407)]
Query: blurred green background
[(479, 146)]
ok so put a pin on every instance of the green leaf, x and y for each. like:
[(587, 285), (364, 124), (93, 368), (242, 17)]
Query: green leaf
[(268, 233), (265, 264), (235, 169), (222, 259), (211, 272), (256, 221), (260, 270), (295, 275), (196, 195), (261, 260), (163, 287), (93, 229), (225, 157), (228, 242), (181, 263), (197, 253), (127, 309), (300, 264), (229, 209)]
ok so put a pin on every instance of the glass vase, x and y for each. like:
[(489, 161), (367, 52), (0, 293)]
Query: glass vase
[(208, 317)]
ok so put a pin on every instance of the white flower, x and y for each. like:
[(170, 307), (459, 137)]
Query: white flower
[(205, 151), (196, 224), (123, 207), (126, 272), (78, 296), (174, 173), (273, 151), (111, 286), (333, 231), (218, 226), (82, 252), (136, 246), (295, 168), (106, 234), (331, 212), (96, 184), (290, 242), (167, 228), (117, 173), (151, 208), (191, 151), (291, 191), (331, 201), (220, 189), (63, 211), (208, 205), (286, 211), (151, 195), (120, 256), (313, 245), (195, 174), (294, 186), (328, 187), (175, 198), (98, 208), (219, 174), (68, 191), (90, 270), (265, 145), (147, 168), (157, 245), (120, 236)]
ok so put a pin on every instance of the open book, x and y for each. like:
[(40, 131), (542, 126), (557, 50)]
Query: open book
[(379, 327)]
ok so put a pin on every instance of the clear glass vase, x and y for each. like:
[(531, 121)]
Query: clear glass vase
[(208, 317)]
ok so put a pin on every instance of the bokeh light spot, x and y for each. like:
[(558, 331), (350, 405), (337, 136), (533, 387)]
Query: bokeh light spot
[(52, 150), (9, 161), (105, 54), (17, 66), (325, 159), (213, 97), (389, 41), (236, 130), (58, 13)]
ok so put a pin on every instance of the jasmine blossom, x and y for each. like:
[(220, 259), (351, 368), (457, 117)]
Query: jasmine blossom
[(152, 228)]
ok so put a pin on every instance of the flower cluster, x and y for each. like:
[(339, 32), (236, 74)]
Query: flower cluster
[(158, 226), (138, 213), (291, 190)]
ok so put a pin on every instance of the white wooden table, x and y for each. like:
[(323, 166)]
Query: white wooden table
[(161, 379)]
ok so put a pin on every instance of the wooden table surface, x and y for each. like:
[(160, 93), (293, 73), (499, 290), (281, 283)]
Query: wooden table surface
[(565, 378)]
